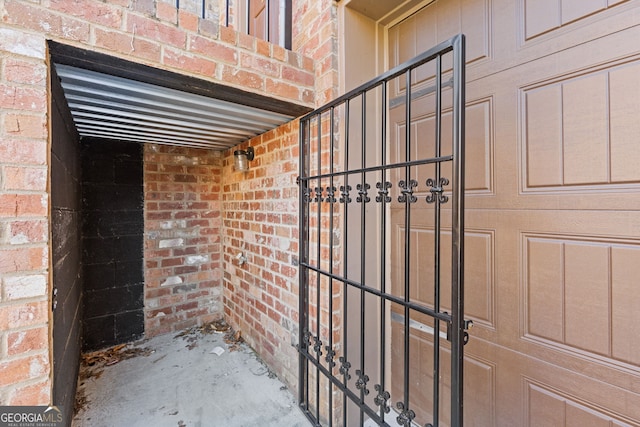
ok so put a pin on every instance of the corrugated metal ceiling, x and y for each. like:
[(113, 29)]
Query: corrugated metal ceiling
[(107, 106)]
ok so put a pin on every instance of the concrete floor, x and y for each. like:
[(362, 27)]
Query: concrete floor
[(184, 383)]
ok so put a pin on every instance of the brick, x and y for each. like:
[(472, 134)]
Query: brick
[(297, 76), (23, 315), (17, 287), (157, 31), (185, 62), (28, 340), (23, 369), (209, 28), (262, 65), (246, 41), (21, 71), (90, 11), (278, 52), (188, 21), (42, 20), (167, 12), (17, 205), (122, 43), (23, 151), (281, 89), (229, 35), (22, 98), (21, 43), (29, 126), (24, 178), (144, 6), (242, 78), (31, 394), (22, 232), (263, 47), (212, 49)]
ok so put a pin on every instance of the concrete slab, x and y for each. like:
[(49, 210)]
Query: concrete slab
[(185, 383)]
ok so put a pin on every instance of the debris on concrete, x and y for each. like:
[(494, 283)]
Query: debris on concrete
[(92, 366), (217, 350), (187, 388)]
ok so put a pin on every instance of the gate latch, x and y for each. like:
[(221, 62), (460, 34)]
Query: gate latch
[(468, 324)]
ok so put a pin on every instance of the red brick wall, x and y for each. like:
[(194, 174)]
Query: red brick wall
[(145, 31), (24, 231), (315, 35), (260, 220), (183, 284)]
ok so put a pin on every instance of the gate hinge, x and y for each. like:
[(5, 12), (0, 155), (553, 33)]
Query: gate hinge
[(298, 180)]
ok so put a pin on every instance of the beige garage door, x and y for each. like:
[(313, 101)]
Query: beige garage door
[(553, 210)]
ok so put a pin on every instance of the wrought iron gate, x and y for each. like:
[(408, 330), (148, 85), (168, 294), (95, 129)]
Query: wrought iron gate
[(359, 313)]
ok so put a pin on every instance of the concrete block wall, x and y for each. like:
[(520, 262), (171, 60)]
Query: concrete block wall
[(145, 31)]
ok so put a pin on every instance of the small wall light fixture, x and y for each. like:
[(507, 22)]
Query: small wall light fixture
[(241, 159)]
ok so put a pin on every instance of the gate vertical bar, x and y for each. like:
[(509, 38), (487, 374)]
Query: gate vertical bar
[(407, 241), (382, 397), (303, 273), (436, 243), (329, 347), (363, 229), (457, 262), (344, 198), (318, 344)]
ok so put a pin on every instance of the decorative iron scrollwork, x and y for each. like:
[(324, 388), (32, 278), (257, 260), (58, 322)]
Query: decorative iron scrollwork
[(317, 347), (382, 398), (344, 194), (306, 338), (344, 367), (361, 382), (306, 194), (329, 357), (406, 415), (331, 192), (318, 194), (436, 191), (363, 196), (407, 191), (383, 192)]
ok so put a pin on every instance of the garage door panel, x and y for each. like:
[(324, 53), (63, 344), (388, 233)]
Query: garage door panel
[(625, 304), (545, 296), (586, 292), (624, 84), (540, 16), (546, 406), (594, 130), (479, 268), (576, 9), (543, 139), (436, 23), (479, 143), (585, 130), (479, 378)]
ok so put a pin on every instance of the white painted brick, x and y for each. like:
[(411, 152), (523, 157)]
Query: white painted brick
[(196, 259), (24, 286), (173, 280), (170, 243), (20, 43)]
